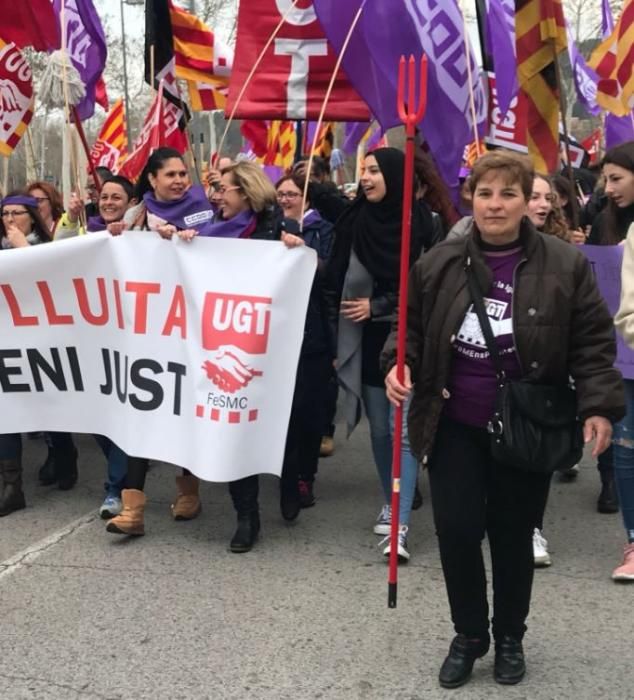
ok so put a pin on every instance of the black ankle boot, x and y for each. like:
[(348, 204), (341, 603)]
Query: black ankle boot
[(11, 495), (510, 666), (47, 474), (246, 533), (608, 501), (66, 469), (290, 502), (457, 667)]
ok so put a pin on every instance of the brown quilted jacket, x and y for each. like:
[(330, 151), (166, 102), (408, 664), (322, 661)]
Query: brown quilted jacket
[(561, 325)]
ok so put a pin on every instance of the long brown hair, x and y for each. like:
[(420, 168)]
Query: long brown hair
[(436, 195), (54, 197), (615, 224)]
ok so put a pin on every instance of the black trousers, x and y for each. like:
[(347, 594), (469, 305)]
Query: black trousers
[(305, 428), (472, 496)]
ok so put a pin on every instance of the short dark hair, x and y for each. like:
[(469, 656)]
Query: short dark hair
[(122, 182), (515, 168)]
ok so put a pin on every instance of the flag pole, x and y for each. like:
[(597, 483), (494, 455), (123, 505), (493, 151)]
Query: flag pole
[(562, 109), (467, 53), (252, 72), (322, 112)]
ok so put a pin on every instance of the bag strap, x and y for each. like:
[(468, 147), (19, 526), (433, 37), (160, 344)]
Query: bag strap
[(483, 318)]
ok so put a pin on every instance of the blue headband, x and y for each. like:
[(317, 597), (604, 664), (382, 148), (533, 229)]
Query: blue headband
[(23, 199)]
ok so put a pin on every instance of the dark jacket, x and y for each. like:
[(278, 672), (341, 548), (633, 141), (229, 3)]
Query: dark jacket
[(561, 326), (317, 236)]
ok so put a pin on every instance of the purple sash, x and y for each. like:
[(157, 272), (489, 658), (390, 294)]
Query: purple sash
[(192, 210)]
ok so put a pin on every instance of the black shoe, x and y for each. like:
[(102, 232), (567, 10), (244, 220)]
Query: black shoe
[(457, 667), (290, 503), (246, 534), (608, 501), (306, 494), (510, 666), (47, 474), (11, 499), (569, 474), (66, 470), (417, 501)]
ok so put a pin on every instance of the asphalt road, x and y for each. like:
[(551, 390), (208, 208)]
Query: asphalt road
[(85, 614)]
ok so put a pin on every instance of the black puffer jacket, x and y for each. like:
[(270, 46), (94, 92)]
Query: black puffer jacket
[(561, 325)]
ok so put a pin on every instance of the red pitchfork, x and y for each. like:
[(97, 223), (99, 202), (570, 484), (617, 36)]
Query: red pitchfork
[(410, 119)]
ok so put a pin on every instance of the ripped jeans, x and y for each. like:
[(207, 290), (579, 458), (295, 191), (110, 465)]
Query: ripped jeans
[(623, 442)]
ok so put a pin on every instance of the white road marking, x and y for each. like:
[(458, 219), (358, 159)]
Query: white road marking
[(33, 551)]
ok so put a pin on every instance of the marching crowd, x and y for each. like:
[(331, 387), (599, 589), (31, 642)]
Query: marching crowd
[(515, 252)]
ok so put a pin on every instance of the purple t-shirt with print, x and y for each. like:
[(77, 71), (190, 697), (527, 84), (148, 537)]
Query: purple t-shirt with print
[(472, 384)]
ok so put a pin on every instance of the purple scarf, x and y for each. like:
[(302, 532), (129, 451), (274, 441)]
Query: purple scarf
[(192, 210), (241, 226), (96, 223)]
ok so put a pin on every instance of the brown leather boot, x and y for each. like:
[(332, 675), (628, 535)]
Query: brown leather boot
[(130, 520), (187, 505), (11, 495)]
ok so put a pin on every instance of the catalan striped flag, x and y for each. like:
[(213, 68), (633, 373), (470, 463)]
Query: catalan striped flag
[(325, 140), (201, 59), (472, 152), (111, 147), (540, 34), (282, 142), (613, 61)]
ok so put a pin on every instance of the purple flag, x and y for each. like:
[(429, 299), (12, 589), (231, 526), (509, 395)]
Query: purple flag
[(353, 134), (389, 29), (86, 46), (607, 20), (501, 39), (618, 130), (585, 78)]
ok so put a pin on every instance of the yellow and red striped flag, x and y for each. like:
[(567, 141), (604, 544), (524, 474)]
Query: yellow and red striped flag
[(540, 34), (111, 147), (613, 61), (201, 59), (325, 141), (472, 152), (281, 142)]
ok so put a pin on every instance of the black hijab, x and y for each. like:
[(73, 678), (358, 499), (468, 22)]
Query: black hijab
[(376, 226)]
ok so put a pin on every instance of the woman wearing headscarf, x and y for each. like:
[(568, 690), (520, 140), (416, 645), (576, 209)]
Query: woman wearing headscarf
[(361, 287), (21, 226)]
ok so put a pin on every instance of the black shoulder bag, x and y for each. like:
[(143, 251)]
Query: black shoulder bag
[(534, 427)]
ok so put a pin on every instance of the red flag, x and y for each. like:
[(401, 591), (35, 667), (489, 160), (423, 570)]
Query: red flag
[(101, 94), (16, 97), (111, 146), (291, 80), (256, 132), (33, 23), (161, 128)]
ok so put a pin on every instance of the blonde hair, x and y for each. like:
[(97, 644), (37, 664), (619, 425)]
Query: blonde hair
[(255, 185)]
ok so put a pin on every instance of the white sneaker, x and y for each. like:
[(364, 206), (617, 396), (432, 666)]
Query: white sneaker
[(111, 507), (540, 549), (384, 521), (403, 554)]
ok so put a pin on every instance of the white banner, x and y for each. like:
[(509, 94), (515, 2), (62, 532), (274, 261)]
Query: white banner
[(181, 352)]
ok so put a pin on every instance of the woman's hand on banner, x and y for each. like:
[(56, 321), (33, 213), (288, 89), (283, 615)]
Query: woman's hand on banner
[(116, 228), (187, 234), (395, 391), (166, 230), (290, 240)]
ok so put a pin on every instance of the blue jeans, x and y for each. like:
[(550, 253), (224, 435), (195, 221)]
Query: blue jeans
[(117, 465), (623, 445), (381, 418)]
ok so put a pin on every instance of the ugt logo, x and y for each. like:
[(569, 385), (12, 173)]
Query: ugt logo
[(235, 328)]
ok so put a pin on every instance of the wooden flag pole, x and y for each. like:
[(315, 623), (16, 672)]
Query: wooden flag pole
[(256, 65), (472, 108), (322, 112), (562, 109)]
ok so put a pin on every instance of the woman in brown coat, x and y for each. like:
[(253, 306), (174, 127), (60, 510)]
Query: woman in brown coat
[(550, 324)]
